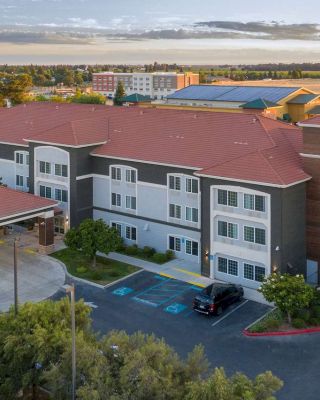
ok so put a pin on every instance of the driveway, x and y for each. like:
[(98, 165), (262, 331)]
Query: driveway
[(153, 304), (39, 276)]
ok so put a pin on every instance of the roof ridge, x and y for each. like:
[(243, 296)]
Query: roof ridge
[(276, 173)]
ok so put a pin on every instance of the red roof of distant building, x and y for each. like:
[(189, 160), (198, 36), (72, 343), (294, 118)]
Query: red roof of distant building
[(231, 145), (13, 203)]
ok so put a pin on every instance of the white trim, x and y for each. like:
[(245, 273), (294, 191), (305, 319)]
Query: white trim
[(26, 212), (142, 183), (308, 125), (227, 222), (309, 155), (15, 144), (79, 178), (147, 162), (7, 161), (65, 145), (254, 182), (52, 181)]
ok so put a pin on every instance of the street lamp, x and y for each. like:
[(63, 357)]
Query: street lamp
[(15, 276), (70, 289)]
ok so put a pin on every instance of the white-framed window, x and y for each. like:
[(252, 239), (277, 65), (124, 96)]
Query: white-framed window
[(227, 198), (192, 247), (19, 180), (174, 182), (192, 185), (254, 235), (61, 170), (254, 272), (27, 159), (192, 214), (131, 202), (116, 199), (46, 191), (116, 173), (27, 182), (174, 243), (228, 229), (45, 167), (174, 211), (19, 158), (61, 195), (131, 233), (254, 202), (131, 175), (118, 227), (228, 266)]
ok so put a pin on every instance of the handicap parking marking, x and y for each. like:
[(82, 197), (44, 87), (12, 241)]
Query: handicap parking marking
[(229, 313), (123, 291), (175, 308)]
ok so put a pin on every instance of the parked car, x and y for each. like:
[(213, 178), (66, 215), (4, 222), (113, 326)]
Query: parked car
[(216, 297)]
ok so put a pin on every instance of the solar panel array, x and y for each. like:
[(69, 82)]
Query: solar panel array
[(232, 93)]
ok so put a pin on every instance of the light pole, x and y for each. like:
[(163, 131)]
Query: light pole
[(15, 277), (70, 289)]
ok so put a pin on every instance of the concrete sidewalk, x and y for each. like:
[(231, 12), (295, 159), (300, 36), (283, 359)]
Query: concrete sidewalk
[(183, 271)]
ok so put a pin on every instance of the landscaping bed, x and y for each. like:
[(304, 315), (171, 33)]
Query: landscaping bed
[(146, 253), (105, 271)]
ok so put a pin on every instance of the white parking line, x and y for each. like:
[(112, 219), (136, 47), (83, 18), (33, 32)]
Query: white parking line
[(232, 311)]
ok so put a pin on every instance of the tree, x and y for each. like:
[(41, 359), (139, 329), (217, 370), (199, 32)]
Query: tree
[(38, 335), (290, 293), (14, 87), (93, 236), (88, 98), (119, 95)]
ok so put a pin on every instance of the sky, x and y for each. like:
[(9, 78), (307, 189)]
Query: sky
[(118, 31)]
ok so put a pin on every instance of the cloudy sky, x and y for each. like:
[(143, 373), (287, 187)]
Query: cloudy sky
[(185, 31)]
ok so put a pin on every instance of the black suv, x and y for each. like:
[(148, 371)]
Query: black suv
[(214, 298)]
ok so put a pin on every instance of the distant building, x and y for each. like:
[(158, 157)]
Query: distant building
[(291, 104), (157, 85)]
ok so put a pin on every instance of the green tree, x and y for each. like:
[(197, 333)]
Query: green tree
[(289, 293), (14, 87), (93, 236), (88, 98), (119, 95), (38, 334)]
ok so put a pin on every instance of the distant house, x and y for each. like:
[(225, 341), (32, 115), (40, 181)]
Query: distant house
[(135, 99), (291, 104)]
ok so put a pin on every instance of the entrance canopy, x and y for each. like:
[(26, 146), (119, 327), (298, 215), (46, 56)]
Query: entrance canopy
[(18, 206)]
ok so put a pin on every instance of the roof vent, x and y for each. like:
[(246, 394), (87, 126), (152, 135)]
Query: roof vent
[(195, 116), (57, 107), (93, 109), (254, 120), (141, 112)]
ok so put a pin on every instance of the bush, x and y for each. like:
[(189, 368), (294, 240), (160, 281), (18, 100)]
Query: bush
[(132, 250), (315, 311), (314, 321), (121, 248), (298, 323), (272, 324), (96, 276), (114, 273), (303, 314), (148, 251), (82, 269), (169, 255), (159, 258)]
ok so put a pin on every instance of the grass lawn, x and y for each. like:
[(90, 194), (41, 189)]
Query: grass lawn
[(106, 270)]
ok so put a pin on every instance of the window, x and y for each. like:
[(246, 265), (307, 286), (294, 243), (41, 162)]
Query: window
[(61, 170), (192, 247), (131, 233), (46, 191), (254, 202), (19, 180), (192, 185), (226, 266), (118, 227), (174, 243), (174, 182), (131, 202), (27, 159), (228, 229), (116, 173), (192, 214), (227, 198), (19, 158), (131, 175), (61, 195), (254, 272), (254, 235), (45, 167), (116, 199), (28, 182), (174, 211)]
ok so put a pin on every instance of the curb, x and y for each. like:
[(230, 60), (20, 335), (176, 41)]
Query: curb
[(283, 333)]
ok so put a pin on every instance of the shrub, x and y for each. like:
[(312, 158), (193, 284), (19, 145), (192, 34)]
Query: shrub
[(148, 251), (303, 314), (114, 273), (272, 323), (131, 250), (121, 248), (159, 258), (169, 255), (298, 323), (315, 310), (96, 276), (314, 321), (82, 269)]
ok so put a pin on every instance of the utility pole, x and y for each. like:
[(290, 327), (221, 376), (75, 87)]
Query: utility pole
[(15, 277)]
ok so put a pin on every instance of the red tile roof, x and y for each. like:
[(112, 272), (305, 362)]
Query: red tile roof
[(311, 121), (231, 145), (13, 203)]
